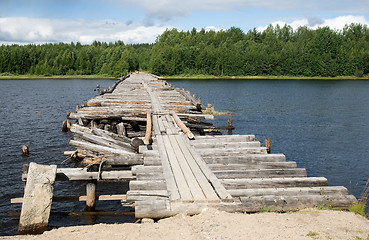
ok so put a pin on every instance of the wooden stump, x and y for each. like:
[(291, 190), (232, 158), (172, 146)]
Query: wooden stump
[(25, 151)]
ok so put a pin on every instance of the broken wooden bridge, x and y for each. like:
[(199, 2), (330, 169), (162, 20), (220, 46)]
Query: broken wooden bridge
[(154, 135)]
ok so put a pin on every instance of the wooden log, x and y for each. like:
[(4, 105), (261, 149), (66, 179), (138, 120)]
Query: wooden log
[(260, 173), (230, 151), (103, 141), (97, 148), (79, 174), (243, 158), (232, 145), (227, 138), (288, 203), (127, 160), (147, 185), (148, 128), (245, 183), (140, 195), (146, 169), (83, 198), (37, 198), (91, 196), (196, 116), (101, 132), (150, 176), (290, 191), (293, 203), (151, 208), (260, 165), (182, 126)]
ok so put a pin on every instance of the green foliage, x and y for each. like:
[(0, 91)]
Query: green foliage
[(358, 208), (312, 234), (70, 59), (277, 51)]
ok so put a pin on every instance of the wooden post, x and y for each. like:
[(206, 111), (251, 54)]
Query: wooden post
[(148, 128), (25, 151), (90, 196), (121, 130), (230, 126), (268, 144), (37, 199), (66, 125)]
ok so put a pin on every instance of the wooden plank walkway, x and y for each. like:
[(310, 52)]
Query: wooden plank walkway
[(183, 171)]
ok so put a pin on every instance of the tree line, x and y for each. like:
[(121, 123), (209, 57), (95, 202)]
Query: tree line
[(276, 51)]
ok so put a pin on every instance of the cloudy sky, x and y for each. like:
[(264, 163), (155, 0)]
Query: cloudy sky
[(141, 21)]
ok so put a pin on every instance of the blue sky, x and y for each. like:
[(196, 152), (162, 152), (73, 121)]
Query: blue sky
[(141, 21)]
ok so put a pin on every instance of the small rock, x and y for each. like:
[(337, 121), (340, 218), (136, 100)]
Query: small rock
[(147, 220)]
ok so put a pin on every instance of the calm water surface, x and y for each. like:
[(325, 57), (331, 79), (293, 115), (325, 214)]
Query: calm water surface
[(31, 113), (322, 125)]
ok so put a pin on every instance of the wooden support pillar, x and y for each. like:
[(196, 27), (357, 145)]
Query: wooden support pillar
[(268, 144), (121, 130), (230, 126), (90, 196), (66, 125), (25, 151)]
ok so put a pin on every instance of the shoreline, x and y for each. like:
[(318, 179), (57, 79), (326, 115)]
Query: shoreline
[(210, 77), (308, 223), (19, 77), (189, 77)]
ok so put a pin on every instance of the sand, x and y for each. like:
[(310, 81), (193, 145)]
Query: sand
[(214, 224)]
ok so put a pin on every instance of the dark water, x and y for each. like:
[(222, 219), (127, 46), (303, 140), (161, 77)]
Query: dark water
[(31, 113), (321, 125)]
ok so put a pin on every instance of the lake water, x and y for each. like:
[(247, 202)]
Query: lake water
[(322, 125)]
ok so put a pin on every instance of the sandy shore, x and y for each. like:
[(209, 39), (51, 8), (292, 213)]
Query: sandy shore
[(213, 224)]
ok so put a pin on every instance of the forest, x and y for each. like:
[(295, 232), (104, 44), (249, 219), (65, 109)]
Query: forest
[(276, 51)]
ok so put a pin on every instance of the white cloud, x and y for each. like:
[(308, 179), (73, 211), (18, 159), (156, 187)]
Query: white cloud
[(41, 30), (337, 23), (168, 9)]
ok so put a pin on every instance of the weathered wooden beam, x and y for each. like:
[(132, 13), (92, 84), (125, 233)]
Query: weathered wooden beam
[(261, 173), (113, 197), (148, 128), (259, 165), (245, 183), (97, 148), (37, 198), (243, 158), (182, 126), (288, 191), (78, 174)]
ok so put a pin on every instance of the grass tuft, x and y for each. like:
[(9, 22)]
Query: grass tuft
[(359, 206)]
